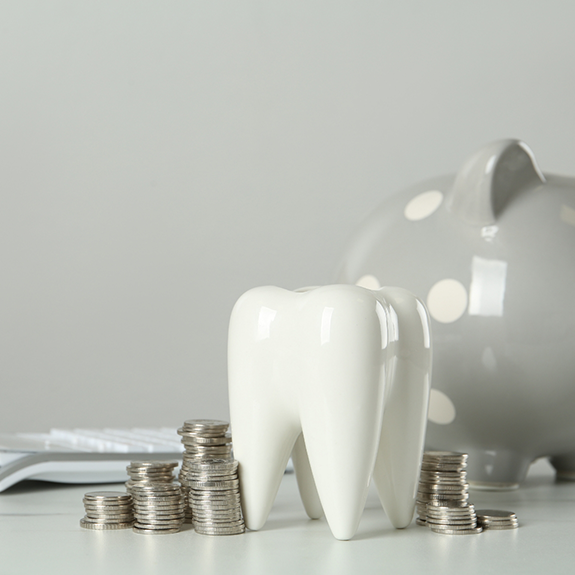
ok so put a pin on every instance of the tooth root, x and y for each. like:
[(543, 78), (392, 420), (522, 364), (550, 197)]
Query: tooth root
[(264, 423), (262, 450), (400, 451), (305, 481), (341, 412)]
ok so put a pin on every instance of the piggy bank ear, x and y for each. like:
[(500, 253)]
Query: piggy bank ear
[(489, 180)]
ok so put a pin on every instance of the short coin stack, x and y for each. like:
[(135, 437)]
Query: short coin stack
[(107, 510), (145, 472), (215, 497), (202, 439), (443, 494), (158, 508), (494, 519)]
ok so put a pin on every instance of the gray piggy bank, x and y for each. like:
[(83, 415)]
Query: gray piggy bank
[(491, 250)]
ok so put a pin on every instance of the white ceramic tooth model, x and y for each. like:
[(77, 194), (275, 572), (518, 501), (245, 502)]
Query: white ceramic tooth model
[(340, 376)]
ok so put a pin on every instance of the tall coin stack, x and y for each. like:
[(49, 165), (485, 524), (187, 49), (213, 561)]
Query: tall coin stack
[(145, 472), (202, 439), (215, 497), (158, 508), (107, 510), (443, 494)]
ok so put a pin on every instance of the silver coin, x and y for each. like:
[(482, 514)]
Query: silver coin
[(205, 496), (455, 523), (195, 453), (209, 423), (147, 531), (440, 489), (99, 513), (145, 476), (444, 455), (207, 514), (496, 514), (218, 526), (499, 525), (159, 519), (105, 520), (436, 474), (103, 513), (232, 522), (153, 500), (203, 477), (442, 499), (154, 463), (444, 482), (104, 526), (151, 468), (146, 524), (457, 531), (114, 507), (170, 505), (451, 517), (449, 511), (153, 509), (107, 496), (230, 501), (205, 530), (216, 496), (197, 439), (157, 487), (118, 519), (222, 503), (454, 526), (207, 506), (214, 484), (421, 522), (164, 508), (205, 449)]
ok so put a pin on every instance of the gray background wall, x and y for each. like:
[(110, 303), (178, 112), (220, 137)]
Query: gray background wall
[(160, 158)]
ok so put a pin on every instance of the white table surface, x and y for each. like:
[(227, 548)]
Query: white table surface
[(40, 533)]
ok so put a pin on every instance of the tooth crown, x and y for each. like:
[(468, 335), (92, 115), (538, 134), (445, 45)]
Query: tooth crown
[(307, 373)]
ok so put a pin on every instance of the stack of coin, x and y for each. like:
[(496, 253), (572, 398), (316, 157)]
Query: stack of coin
[(108, 510), (215, 497), (442, 483), (150, 472), (202, 439), (495, 519), (453, 520), (158, 508)]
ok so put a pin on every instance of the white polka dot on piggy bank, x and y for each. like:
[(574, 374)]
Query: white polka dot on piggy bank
[(491, 250)]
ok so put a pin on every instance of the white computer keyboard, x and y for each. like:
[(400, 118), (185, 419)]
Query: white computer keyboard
[(82, 455)]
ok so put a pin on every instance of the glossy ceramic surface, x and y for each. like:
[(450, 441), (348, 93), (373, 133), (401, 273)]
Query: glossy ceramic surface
[(491, 250), (339, 376)]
